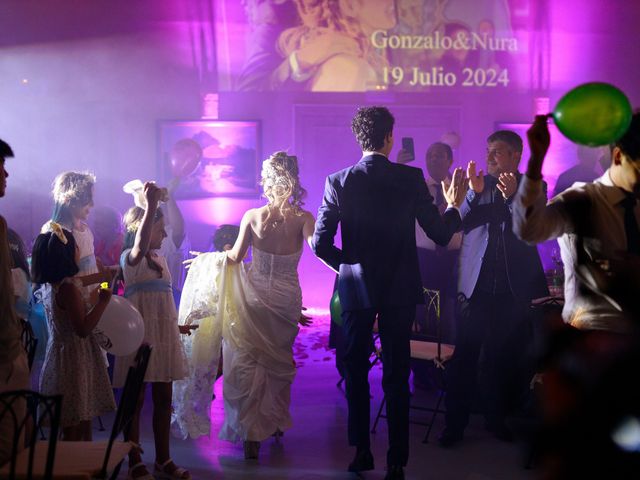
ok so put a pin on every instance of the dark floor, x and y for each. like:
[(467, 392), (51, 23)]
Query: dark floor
[(316, 447)]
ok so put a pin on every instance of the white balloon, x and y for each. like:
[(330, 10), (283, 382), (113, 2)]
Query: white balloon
[(120, 330)]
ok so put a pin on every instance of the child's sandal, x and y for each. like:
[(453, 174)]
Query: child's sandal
[(145, 476), (178, 474)]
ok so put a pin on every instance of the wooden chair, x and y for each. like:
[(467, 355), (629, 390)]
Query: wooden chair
[(427, 347), (20, 410)]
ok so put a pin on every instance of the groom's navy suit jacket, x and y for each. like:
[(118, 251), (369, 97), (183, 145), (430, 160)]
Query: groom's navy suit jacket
[(376, 202)]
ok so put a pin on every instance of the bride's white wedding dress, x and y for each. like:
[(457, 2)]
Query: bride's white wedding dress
[(255, 307)]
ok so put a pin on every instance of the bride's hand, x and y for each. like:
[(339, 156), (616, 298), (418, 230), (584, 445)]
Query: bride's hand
[(304, 320)]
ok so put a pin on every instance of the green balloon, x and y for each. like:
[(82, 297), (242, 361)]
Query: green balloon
[(336, 309), (593, 114)]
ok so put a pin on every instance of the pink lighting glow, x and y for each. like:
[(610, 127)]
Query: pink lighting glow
[(86, 88)]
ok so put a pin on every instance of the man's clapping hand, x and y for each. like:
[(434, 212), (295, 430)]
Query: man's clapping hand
[(476, 181), (507, 184)]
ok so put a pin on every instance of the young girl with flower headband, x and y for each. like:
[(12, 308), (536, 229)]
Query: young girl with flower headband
[(148, 287), (73, 197), (73, 364)]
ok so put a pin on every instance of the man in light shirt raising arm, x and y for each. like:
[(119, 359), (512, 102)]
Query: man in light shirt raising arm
[(596, 223)]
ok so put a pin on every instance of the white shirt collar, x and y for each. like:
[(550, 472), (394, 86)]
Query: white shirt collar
[(368, 154), (431, 181)]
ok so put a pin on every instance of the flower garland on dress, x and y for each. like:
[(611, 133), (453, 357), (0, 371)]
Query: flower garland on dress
[(56, 229)]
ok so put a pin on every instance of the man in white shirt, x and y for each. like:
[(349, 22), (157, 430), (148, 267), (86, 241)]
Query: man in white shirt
[(439, 160), (437, 264), (597, 223)]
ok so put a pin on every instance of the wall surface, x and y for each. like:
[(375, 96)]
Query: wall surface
[(83, 84)]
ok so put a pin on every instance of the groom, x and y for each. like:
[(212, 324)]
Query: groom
[(377, 203)]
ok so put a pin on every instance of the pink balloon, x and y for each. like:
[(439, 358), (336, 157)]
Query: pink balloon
[(185, 157)]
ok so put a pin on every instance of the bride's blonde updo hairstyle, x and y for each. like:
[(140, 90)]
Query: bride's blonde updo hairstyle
[(281, 183)]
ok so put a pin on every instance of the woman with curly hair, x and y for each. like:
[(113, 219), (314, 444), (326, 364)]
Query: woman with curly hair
[(256, 308), (354, 69)]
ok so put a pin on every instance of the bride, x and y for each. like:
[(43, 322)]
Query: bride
[(253, 309)]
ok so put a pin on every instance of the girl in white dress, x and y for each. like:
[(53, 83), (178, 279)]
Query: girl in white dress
[(73, 364), (73, 200), (256, 307), (148, 287)]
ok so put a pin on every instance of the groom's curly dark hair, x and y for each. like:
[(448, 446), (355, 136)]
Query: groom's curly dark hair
[(371, 125)]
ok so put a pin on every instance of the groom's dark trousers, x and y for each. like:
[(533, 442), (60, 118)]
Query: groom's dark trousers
[(394, 326), (376, 204)]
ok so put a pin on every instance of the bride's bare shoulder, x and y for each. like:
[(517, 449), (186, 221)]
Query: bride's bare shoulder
[(302, 215), (253, 214), (259, 214), (258, 219)]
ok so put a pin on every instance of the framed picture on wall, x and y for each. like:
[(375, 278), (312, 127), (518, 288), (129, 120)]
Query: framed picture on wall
[(211, 158)]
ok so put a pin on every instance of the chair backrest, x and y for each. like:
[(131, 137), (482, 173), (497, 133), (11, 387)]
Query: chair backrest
[(128, 400), (427, 328), (29, 341), (22, 413)]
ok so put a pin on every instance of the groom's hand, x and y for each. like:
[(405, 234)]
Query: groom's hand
[(455, 191)]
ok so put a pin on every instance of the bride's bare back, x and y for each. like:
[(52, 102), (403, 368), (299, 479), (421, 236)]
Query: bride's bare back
[(271, 231)]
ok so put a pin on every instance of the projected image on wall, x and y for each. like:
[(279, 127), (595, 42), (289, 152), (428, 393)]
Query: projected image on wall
[(366, 45)]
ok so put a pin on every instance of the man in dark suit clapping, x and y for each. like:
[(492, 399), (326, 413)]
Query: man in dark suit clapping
[(498, 277), (377, 202)]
